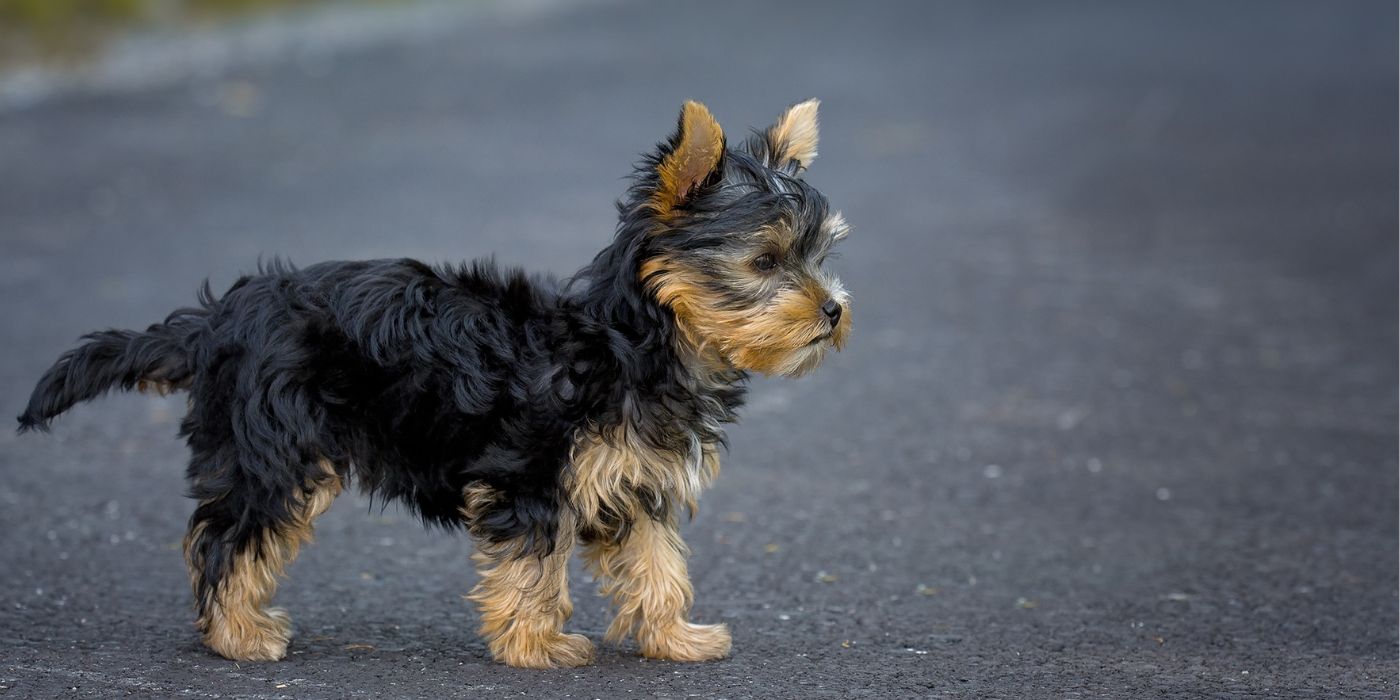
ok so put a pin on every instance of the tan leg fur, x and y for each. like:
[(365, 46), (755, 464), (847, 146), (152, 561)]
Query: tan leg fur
[(524, 602), (645, 574), (240, 625)]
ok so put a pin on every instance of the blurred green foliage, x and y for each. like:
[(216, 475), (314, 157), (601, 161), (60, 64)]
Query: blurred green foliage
[(50, 14), (43, 14), (57, 30)]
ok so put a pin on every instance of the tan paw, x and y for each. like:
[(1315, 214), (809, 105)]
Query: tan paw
[(553, 650), (258, 636), (684, 641)]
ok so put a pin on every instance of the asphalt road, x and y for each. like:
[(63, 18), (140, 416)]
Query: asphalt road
[(1118, 419)]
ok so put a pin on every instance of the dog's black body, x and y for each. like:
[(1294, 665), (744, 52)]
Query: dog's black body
[(424, 379), (423, 383)]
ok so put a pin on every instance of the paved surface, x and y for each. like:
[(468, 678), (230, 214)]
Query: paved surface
[(1119, 418)]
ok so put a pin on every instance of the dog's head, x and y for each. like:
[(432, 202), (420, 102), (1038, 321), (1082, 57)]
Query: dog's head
[(735, 243)]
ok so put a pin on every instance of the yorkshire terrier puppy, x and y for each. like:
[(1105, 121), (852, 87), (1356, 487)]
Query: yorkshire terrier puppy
[(537, 416)]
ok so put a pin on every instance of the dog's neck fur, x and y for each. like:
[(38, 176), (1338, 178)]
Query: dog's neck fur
[(654, 382)]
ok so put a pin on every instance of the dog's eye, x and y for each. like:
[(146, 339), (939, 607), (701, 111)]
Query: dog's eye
[(765, 262)]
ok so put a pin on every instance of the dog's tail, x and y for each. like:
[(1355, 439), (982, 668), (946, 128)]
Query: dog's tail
[(156, 359)]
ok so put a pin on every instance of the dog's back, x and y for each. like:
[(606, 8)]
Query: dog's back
[(384, 312), (385, 362)]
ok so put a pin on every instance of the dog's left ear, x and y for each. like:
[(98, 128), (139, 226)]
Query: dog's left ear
[(793, 138), (692, 159)]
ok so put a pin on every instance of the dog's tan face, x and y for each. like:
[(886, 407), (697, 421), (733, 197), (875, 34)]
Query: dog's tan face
[(740, 245)]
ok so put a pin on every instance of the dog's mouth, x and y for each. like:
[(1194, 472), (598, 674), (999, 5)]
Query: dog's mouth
[(820, 339)]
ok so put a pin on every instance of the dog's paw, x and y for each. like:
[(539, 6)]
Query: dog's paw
[(684, 641), (553, 650), (261, 636)]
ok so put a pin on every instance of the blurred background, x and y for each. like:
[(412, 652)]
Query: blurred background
[(1118, 418)]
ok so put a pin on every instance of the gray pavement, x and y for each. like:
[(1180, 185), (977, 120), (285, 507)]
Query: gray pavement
[(1118, 420)]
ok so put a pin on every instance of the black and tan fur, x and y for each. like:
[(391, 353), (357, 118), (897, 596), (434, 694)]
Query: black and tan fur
[(540, 417)]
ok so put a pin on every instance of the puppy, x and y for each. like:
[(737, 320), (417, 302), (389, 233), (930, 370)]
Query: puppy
[(539, 417)]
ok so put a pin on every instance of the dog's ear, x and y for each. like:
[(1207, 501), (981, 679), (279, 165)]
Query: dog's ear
[(691, 160), (793, 138)]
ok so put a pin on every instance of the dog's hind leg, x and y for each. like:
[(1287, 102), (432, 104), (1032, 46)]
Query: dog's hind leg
[(236, 549)]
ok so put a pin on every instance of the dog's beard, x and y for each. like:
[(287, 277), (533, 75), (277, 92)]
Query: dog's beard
[(803, 359)]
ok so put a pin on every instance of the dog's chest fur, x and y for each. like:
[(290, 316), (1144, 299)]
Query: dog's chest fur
[(658, 456)]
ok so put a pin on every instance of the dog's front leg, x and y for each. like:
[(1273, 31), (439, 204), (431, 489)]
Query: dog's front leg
[(645, 574), (524, 602)]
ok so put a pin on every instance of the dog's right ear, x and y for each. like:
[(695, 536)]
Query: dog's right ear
[(691, 160), (793, 138)]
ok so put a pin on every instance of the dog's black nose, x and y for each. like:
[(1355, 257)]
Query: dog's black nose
[(832, 311)]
